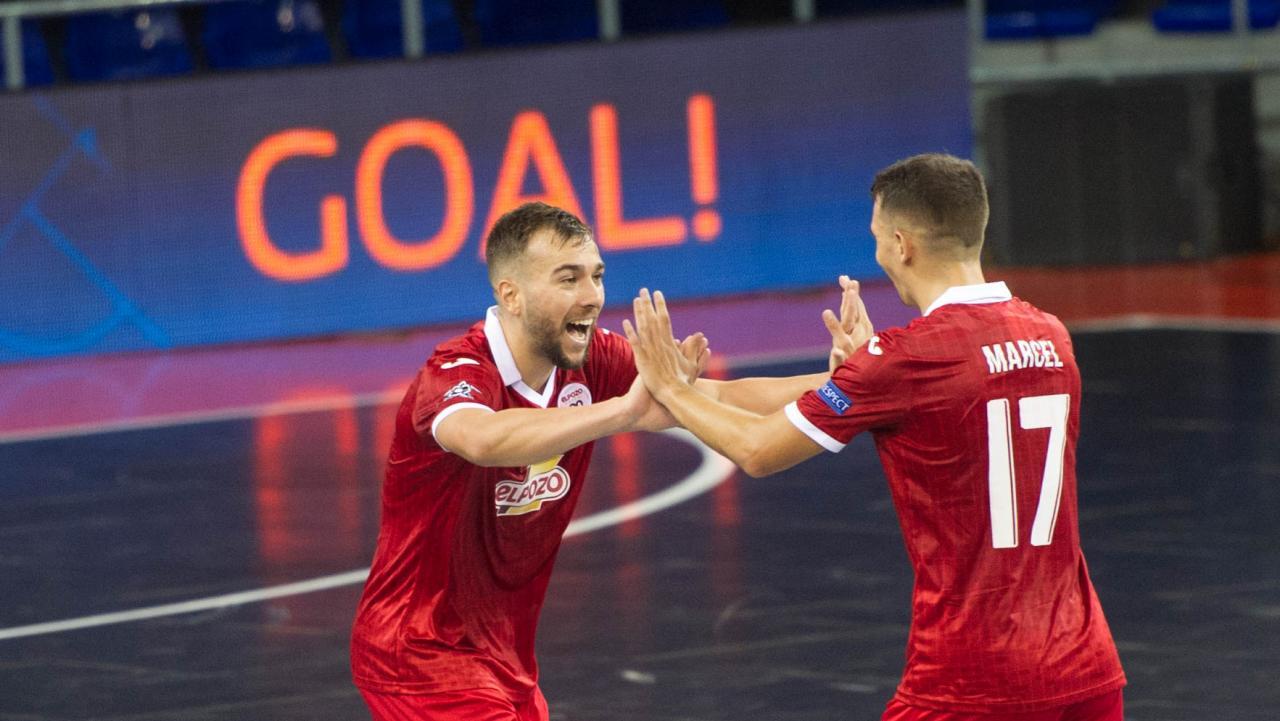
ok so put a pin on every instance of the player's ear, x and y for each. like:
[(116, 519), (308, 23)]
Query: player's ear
[(509, 297), (904, 245)]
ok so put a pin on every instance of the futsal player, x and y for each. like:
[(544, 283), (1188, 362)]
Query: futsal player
[(491, 446), (974, 408)]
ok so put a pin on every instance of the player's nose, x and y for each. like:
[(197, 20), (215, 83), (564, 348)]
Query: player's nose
[(591, 295)]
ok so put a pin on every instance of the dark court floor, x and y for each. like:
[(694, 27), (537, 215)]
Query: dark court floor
[(781, 599)]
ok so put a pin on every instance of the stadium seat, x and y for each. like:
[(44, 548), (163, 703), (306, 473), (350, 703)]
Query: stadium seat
[(1211, 16), (847, 7), (123, 45), (373, 28), (36, 68), (525, 22), (652, 16), (1030, 19), (264, 34)]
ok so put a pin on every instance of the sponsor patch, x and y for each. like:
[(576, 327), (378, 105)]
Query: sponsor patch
[(574, 394), (834, 398), (459, 362), (543, 483), (462, 390), (873, 346)]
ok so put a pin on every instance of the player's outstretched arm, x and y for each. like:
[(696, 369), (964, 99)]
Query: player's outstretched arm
[(763, 395), (524, 436), (848, 332), (759, 444)]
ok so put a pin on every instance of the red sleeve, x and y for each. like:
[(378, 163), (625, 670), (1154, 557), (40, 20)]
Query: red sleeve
[(870, 391), (448, 384), (613, 367)]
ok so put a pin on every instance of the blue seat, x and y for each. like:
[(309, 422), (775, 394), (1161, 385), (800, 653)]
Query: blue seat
[(651, 16), (264, 34), (1028, 19), (124, 45), (374, 28), (526, 22), (846, 7), (36, 68), (1211, 16)]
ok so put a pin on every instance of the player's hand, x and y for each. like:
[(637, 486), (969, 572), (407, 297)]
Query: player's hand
[(647, 413), (852, 329), (695, 353), (658, 359)]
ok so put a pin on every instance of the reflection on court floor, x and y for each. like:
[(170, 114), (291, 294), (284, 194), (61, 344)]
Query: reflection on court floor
[(783, 598)]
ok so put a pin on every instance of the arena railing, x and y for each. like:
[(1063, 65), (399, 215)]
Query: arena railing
[(1119, 48), (12, 14)]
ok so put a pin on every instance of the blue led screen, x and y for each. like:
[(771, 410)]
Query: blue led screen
[(318, 201)]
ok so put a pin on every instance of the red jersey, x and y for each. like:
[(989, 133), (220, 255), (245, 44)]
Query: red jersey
[(465, 552), (975, 411)]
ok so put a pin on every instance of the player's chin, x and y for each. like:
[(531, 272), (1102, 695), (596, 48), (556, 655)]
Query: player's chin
[(572, 356)]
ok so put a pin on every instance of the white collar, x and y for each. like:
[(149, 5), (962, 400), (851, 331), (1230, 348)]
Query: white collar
[(996, 292), (507, 363)]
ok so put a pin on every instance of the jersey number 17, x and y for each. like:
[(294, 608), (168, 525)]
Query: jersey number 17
[(1034, 412)]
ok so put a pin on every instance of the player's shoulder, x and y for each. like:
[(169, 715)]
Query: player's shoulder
[(467, 351), (1038, 313), (954, 318), (891, 344), (608, 348), (880, 359)]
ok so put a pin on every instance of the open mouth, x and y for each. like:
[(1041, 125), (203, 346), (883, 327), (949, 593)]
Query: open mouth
[(579, 330)]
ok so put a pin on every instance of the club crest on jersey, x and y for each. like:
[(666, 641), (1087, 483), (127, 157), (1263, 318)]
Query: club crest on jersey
[(574, 394), (834, 398), (544, 482), (462, 390)]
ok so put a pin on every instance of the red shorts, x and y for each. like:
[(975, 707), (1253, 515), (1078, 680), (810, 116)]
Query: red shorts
[(470, 705), (1107, 707)]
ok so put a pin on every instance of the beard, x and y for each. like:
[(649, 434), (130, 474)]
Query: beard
[(546, 334)]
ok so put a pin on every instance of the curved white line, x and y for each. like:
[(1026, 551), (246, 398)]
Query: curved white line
[(714, 470), (711, 472)]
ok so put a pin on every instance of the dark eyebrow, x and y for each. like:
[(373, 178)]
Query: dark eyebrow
[(574, 268)]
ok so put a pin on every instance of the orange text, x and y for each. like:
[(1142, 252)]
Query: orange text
[(531, 149)]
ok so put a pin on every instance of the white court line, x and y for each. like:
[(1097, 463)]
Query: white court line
[(711, 472), (1150, 321), (1137, 321), (166, 420), (327, 403)]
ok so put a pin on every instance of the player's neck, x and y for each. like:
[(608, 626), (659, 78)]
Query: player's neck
[(535, 368), (932, 282)]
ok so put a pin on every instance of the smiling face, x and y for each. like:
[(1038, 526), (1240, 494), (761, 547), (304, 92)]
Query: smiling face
[(562, 281)]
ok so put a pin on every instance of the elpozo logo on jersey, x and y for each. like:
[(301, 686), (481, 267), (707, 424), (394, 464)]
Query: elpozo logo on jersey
[(574, 394), (544, 482)]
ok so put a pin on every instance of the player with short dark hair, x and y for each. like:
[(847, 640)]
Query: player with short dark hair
[(974, 408), (491, 446)]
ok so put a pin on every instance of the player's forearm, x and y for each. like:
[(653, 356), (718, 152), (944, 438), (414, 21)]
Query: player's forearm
[(524, 436), (761, 395), (732, 432)]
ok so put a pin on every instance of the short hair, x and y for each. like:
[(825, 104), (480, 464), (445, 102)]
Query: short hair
[(511, 234), (943, 193)]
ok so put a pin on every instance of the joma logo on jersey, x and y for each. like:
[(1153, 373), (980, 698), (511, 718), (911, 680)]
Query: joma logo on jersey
[(834, 397), (544, 482)]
